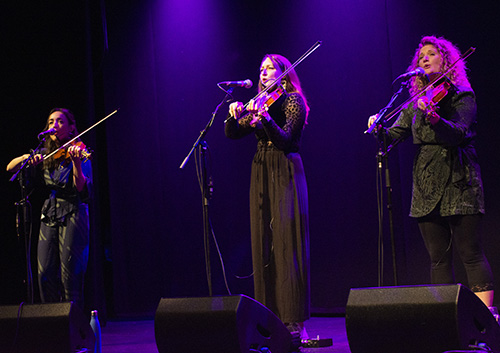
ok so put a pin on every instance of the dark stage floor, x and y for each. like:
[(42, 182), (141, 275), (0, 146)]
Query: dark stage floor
[(139, 336)]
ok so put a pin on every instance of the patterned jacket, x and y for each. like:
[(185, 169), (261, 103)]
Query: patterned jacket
[(446, 174)]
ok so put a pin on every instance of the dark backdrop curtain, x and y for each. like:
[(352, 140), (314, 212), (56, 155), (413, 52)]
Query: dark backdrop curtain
[(160, 67), (164, 62), (50, 59)]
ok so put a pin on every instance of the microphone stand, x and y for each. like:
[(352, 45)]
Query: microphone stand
[(23, 212), (206, 186), (26, 206), (382, 161)]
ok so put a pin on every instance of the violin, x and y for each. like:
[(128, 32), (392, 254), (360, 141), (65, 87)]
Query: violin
[(430, 86), (274, 96), (62, 155), (269, 99), (433, 95), (438, 91), (85, 153)]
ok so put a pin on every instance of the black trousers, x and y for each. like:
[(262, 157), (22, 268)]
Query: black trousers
[(63, 252), (440, 234)]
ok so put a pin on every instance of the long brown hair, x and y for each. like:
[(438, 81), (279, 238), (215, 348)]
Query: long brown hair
[(450, 54), (51, 145), (292, 82)]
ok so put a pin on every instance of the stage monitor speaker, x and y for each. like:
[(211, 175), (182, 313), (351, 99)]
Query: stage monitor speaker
[(228, 324), (416, 319), (45, 328)]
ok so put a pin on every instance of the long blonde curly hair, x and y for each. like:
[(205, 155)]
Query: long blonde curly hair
[(449, 53)]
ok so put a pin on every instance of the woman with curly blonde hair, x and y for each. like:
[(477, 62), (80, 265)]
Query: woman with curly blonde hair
[(447, 197), (450, 55)]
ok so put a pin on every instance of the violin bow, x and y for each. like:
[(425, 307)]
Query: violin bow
[(284, 73), (80, 134), (422, 90)]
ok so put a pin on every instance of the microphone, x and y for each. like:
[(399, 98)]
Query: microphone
[(417, 72), (247, 83), (45, 133)]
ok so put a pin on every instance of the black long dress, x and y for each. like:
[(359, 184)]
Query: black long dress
[(279, 209)]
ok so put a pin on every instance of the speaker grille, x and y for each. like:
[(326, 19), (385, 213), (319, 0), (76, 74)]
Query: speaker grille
[(418, 319), (228, 324), (44, 328)]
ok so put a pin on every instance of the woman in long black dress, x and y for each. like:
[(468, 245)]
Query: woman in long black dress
[(278, 194)]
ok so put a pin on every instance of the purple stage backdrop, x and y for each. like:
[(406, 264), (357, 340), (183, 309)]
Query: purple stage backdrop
[(159, 62)]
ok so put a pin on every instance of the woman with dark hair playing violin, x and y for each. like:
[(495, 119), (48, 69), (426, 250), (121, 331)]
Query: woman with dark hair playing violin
[(447, 199), (278, 192), (63, 244)]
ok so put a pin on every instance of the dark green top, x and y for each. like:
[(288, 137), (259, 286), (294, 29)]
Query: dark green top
[(446, 174)]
